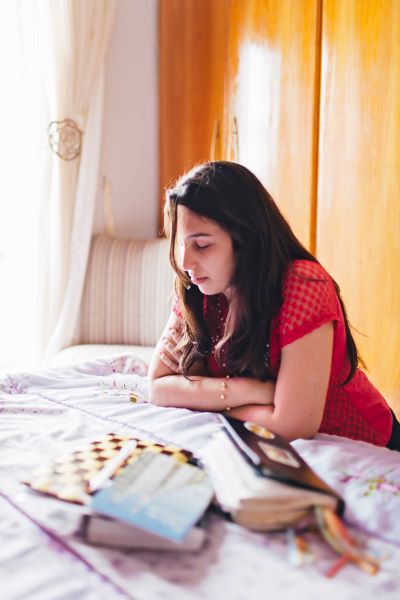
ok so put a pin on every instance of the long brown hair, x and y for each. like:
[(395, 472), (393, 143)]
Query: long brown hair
[(264, 245)]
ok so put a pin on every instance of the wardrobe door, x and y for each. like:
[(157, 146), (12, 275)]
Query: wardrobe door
[(358, 225), (191, 84), (273, 87)]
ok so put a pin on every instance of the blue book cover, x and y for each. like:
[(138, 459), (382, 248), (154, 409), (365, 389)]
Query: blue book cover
[(158, 494)]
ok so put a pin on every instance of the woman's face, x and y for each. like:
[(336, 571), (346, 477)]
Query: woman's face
[(206, 252)]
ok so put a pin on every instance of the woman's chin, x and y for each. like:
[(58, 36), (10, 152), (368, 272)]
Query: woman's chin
[(209, 289), (206, 288)]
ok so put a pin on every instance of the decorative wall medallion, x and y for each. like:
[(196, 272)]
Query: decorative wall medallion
[(65, 138)]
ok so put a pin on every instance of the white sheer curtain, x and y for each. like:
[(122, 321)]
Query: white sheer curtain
[(23, 146), (74, 39), (51, 63)]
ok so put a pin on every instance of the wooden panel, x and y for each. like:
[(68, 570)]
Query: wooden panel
[(191, 83), (358, 236), (273, 76)]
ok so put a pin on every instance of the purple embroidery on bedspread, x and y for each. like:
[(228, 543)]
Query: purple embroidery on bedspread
[(371, 484), (11, 385)]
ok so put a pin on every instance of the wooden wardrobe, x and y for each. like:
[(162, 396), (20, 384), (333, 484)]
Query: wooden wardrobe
[(306, 93)]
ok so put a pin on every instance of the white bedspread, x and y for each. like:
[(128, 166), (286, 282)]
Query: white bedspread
[(45, 413)]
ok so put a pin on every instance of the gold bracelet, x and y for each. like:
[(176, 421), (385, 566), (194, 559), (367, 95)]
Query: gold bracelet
[(224, 392)]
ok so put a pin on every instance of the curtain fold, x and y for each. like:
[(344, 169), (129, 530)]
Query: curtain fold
[(23, 147), (74, 40)]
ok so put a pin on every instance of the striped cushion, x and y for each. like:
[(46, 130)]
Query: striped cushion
[(127, 293)]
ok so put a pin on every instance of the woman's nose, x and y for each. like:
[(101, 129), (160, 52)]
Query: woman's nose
[(186, 259)]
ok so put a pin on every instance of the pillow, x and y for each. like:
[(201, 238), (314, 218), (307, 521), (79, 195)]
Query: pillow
[(127, 293)]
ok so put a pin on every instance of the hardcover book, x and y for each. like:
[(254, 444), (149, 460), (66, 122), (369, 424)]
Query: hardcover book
[(261, 480), (99, 530)]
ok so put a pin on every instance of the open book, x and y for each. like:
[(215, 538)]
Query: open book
[(261, 480), (135, 493), (158, 494)]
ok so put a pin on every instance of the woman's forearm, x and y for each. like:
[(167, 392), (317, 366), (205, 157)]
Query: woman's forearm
[(210, 393), (272, 419)]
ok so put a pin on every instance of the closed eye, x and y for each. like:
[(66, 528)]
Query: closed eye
[(201, 247)]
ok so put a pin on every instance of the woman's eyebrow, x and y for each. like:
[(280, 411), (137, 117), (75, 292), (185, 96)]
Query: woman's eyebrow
[(199, 234)]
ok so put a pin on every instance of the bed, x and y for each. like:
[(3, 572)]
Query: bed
[(86, 393), (42, 556)]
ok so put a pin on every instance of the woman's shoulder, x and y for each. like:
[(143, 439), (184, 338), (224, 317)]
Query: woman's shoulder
[(307, 282), (306, 270), (308, 300)]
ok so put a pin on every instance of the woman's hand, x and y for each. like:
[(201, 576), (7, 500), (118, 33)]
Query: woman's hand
[(166, 355), (169, 353)]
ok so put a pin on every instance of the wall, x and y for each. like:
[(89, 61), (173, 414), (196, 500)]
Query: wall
[(130, 126)]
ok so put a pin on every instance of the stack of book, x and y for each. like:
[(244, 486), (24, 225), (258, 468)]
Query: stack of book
[(142, 494), (264, 484), (136, 493), (260, 479)]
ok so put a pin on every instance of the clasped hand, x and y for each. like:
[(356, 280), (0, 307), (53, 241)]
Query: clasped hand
[(169, 354)]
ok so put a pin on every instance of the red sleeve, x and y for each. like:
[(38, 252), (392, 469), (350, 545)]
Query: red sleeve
[(309, 301)]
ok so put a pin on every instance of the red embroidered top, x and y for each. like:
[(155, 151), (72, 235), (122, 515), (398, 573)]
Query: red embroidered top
[(356, 410)]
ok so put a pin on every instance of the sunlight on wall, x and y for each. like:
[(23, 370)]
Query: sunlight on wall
[(256, 79), (21, 156)]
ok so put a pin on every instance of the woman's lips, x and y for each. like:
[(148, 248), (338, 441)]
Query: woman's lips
[(198, 280)]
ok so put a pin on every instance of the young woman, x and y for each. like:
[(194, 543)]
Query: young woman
[(258, 328)]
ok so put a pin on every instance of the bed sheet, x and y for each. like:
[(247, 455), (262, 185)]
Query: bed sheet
[(42, 557)]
